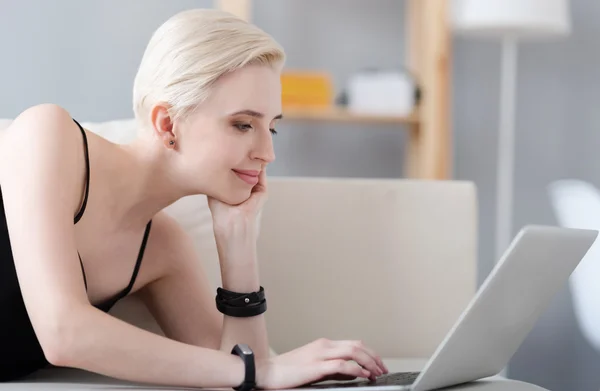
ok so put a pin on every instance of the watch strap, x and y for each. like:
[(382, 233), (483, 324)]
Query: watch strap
[(247, 356)]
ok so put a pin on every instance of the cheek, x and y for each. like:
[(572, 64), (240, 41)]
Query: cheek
[(217, 154), (229, 150)]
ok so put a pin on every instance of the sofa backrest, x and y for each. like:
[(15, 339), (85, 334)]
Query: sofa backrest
[(390, 262)]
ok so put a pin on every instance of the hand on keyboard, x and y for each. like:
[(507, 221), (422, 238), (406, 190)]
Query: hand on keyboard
[(320, 360)]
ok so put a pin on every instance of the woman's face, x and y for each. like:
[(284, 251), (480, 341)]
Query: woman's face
[(227, 141)]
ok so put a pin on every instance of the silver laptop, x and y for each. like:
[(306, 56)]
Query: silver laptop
[(533, 269)]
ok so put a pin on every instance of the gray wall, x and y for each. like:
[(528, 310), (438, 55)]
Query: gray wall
[(84, 54), (557, 137)]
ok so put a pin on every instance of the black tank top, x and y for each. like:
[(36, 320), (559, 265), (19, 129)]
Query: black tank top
[(20, 351)]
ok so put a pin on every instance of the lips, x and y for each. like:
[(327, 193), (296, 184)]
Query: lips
[(248, 176)]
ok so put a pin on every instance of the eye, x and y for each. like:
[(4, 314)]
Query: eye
[(243, 127), (246, 127)]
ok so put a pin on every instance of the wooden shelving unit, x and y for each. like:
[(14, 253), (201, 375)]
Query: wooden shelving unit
[(337, 114), (428, 151)]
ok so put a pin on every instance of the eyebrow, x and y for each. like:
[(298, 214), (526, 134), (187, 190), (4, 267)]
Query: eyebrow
[(255, 114)]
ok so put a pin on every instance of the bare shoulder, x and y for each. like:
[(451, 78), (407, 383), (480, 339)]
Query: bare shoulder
[(170, 248), (46, 129), (43, 144), (40, 120)]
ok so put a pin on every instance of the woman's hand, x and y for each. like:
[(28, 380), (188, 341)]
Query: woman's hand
[(318, 361), (240, 221)]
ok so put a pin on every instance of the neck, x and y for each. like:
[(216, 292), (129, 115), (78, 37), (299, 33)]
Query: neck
[(145, 186)]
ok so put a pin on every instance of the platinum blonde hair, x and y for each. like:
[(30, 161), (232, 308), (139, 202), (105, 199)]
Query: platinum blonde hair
[(189, 52)]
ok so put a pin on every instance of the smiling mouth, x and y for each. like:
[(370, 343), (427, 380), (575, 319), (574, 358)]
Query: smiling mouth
[(250, 177)]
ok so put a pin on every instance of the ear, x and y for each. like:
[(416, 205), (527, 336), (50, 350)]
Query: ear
[(162, 124)]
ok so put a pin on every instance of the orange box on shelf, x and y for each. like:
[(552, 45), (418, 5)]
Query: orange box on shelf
[(306, 89)]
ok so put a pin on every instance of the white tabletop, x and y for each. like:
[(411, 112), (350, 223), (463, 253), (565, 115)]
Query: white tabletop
[(76, 380)]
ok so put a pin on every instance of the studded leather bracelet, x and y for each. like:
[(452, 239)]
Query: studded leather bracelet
[(241, 304)]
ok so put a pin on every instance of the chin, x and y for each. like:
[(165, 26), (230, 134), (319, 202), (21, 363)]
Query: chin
[(233, 196), (231, 191)]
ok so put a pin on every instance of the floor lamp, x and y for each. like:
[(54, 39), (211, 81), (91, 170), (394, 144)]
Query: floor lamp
[(508, 21)]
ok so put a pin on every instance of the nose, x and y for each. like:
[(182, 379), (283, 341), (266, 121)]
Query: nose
[(263, 148)]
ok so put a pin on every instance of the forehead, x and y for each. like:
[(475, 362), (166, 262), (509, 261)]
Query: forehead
[(253, 87)]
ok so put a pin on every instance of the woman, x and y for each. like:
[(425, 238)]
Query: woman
[(81, 224)]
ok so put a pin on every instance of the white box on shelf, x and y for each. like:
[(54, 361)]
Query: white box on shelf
[(384, 93)]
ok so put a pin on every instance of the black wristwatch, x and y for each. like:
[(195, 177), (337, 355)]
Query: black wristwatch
[(247, 356)]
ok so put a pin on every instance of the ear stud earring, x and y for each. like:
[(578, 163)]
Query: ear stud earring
[(172, 142)]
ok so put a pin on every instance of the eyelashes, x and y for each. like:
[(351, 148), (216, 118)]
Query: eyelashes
[(246, 127)]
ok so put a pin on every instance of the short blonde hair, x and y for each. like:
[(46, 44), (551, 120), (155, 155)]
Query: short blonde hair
[(190, 51)]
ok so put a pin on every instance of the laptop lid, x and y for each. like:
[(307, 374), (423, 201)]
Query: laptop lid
[(533, 269)]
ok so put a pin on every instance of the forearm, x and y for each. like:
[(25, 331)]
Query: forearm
[(100, 343), (239, 273)]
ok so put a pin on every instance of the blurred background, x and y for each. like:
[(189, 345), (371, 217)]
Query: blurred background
[(83, 55)]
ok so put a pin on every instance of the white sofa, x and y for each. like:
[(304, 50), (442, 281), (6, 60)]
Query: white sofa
[(576, 204), (388, 261)]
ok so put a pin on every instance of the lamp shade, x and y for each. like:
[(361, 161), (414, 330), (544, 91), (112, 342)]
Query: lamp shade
[(520, 19)]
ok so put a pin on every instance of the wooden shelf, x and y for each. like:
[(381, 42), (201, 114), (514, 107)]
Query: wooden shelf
[(428, 152), (338, 114)]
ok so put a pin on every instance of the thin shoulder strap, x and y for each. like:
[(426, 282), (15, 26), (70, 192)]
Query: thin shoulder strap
[(87, 174), (82, 272), (106, 306), (138, 263)]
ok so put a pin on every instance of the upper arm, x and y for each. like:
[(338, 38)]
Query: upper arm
[(181, 299), (41, 180)]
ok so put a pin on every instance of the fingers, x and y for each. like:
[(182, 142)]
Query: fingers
[(341, 368), (354, 350), (261, 186), (262, 178), (374, 355)]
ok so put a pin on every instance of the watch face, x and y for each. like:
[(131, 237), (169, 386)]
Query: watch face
[(245, 349)]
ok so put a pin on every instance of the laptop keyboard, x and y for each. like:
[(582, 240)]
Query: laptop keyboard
[(395, 379), (391, 379)]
